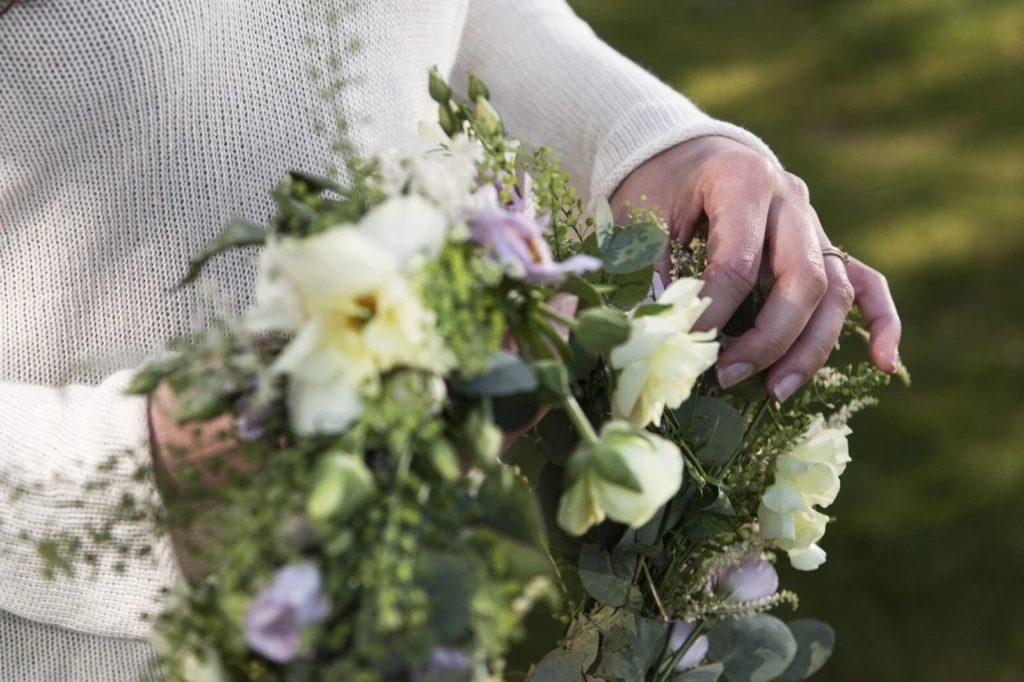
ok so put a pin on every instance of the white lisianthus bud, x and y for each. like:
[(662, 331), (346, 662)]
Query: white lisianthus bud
[(626, 476), (663, 358), (805, 477)]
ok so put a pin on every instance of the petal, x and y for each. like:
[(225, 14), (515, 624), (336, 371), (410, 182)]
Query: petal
[(807, 559), (630, 385), (406, 226), (775, 526), (322, 407), (697, 651), (783, 496), (752, 580), (576, 510)]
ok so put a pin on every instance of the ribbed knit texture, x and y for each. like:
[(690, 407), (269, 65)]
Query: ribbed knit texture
[(130, 132)]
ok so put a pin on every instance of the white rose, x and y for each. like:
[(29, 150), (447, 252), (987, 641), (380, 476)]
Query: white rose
[(627, 477), (805, 477), (663, 358)]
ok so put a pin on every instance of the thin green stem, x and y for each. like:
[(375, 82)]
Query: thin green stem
[(666, 671), (762, 408), (579, 419), (550, 312)]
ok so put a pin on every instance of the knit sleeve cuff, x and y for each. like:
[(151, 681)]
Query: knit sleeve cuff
[(653, 126)]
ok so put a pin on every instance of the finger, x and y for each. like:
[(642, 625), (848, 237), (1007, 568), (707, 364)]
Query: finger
[(736, 202), (811, 350), (879, 310), (800, 283)]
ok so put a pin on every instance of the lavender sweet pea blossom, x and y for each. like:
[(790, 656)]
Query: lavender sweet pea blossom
[(754, 579), (279, 613), (517, 238), (698, 649)]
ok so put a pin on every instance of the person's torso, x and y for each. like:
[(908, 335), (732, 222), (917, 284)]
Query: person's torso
[(131, 131)]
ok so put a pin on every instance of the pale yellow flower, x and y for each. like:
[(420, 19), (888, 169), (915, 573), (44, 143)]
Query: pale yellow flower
[(805, 477), (626, 477), (347, 296), (662, 359)]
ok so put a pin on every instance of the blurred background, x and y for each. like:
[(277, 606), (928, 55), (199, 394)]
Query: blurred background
[(906, 119)]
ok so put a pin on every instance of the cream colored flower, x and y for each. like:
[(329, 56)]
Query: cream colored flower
[(354, 314), (626, 477), (805, 477), (663, 358)]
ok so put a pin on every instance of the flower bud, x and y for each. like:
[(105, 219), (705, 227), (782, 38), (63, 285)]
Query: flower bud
[(477, 88), (485, 437), (439, 90), (343, 484), (446, 119), (488, 120)]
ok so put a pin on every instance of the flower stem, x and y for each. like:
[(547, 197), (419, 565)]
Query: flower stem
[(665, 673), (579, 419), (550, 312)]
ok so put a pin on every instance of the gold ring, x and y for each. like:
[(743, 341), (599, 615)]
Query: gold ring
[(837, 252)]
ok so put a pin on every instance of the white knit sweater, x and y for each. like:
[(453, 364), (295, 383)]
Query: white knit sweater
[(130, 132)]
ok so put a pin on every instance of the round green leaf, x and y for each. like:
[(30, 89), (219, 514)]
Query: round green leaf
[(705, 673), (506, 375), (715, 426), (634, 247), (815, 641), (755, 649), (606, 577), (601, 329), (559, 666)]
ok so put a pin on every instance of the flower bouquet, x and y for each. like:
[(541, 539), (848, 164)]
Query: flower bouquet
[(379, 522)]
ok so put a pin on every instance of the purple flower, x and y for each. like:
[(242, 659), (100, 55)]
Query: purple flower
[(698, 649), (279, 613), (517, 238), (755, 578)]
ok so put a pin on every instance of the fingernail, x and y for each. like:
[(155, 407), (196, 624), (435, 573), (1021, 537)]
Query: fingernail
[(787, 386), (731, 375), (896, 361)]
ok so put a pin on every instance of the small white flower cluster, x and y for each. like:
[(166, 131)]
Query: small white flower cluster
[(829, 377), (845, 412), (806, 477)]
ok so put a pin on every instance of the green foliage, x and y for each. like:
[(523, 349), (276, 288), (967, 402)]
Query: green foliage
[(815, 641), (634, 247), (754, 649), (607, 577), (238, 233), (602, 329)]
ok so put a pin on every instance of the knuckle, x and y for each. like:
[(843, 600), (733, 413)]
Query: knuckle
[(773, 346), (813, 281), (797, 187), (745, 165), (739, 272), (844, 293)]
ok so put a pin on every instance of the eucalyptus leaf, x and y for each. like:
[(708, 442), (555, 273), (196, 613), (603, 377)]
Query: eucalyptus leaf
[(716, 427), (602, 329), (604, 224), (634, 247), (631, 289), (238, 233), (606, 577), (705, 673), (515, 412), (558, 437), (583, 359), (584, 638), (721, 505), (754, 649), (815, 641), (559, 666), (510, 507), (507, 375), (650, 309), (651, 638), (587, 296)]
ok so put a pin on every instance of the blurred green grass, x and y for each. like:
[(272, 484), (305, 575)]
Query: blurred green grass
[(906, 119)]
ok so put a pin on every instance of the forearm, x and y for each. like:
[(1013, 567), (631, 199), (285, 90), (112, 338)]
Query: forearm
[(52, 443), (558, 84)]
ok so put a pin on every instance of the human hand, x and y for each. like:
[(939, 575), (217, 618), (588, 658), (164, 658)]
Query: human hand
[(176, 447), (759, 213)]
